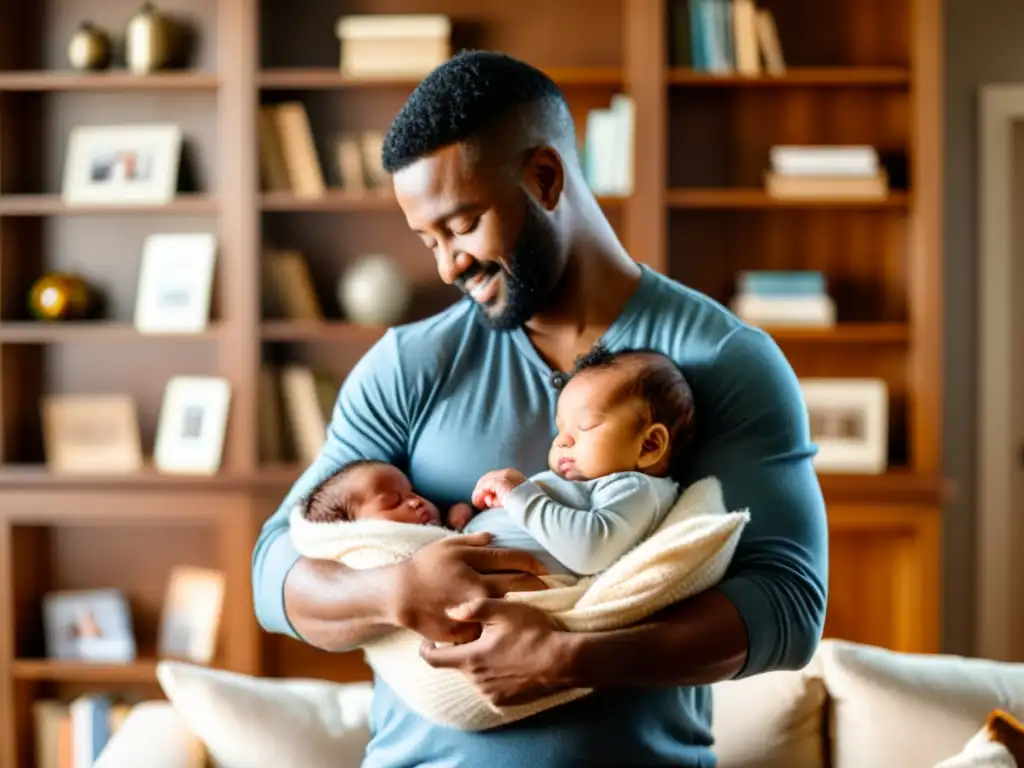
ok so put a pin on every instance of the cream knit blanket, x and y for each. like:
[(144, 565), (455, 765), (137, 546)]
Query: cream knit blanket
[(688, 553)]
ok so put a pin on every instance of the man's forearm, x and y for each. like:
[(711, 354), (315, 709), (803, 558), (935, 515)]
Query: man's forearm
[(336, 608), (699, 641)]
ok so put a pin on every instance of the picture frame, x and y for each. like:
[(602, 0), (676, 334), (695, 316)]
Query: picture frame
[(91, 434), (849, 422), (191, 615), (119, 164), (192, 425), (89, 625), (175, 283)]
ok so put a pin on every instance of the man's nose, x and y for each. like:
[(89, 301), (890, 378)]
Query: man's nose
[(451, 264)]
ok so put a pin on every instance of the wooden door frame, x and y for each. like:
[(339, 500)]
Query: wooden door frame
[(999, 617)]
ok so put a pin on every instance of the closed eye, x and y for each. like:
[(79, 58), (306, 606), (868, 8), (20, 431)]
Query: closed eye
[(468, 228)]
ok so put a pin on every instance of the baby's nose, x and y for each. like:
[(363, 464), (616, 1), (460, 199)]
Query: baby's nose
[(415, 502), (565, 441)]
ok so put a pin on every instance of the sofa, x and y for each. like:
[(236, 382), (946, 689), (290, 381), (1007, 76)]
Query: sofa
[(853, 706)]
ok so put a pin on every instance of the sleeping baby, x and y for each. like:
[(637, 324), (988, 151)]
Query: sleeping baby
[(625, 422)]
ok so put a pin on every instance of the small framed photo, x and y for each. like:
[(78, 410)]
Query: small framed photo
[(849, 423), (89, 625), (91, 434), (193, 422), (175, 283), (191, 614), (117, 164)]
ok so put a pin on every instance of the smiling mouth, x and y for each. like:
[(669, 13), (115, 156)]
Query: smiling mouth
[(480, 282)]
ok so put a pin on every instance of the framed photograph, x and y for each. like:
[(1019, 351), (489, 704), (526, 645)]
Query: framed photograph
[(91, 434), (116, 164), (193, 421), (175, 283), (191, 614), (849, 423), (89, 625)]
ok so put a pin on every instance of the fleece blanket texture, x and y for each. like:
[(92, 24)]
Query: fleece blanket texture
[(688, 553)]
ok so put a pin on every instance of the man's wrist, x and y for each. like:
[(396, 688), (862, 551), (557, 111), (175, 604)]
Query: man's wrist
[(392, 605)]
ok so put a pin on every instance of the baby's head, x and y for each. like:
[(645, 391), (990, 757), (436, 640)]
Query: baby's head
[(369, 490), (622, 412)]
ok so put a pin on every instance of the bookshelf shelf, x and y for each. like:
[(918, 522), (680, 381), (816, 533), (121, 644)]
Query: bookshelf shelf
[(340, 200), (796, 77), (141, 671), (758, 199), (42, 81), (54, 205), (844, 333), (314, 78), (86, 331), (327, 331)]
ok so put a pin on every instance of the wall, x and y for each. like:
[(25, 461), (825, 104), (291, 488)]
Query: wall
[(983, 45)]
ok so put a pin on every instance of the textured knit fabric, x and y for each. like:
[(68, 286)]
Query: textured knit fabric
[(686, 554), (448, 399)]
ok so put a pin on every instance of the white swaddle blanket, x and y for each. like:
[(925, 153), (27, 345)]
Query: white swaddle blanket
[(688, 553)]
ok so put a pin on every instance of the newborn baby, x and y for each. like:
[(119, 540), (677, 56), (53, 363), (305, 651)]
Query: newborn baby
[(625, 421)]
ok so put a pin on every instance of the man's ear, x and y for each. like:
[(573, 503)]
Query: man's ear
[(544, 176), (654, 447)]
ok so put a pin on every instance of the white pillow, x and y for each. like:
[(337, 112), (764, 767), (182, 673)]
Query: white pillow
[(252, 722), (981, 752)]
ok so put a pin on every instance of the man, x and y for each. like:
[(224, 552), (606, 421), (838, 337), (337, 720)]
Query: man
[(483, 158)]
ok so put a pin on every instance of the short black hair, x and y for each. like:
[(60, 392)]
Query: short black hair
[(326, 503), (467, 94), (661, 384)]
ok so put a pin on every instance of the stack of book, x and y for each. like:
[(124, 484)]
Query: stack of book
[(393, 45), (851, 172), (784, 298)]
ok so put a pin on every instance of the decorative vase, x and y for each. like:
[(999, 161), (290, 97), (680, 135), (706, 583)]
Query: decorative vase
[(89, 48), (148, 40), (61, 296), (373, 291)]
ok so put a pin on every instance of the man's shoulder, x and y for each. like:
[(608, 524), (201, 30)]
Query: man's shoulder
[(435, 340), (682, 321)]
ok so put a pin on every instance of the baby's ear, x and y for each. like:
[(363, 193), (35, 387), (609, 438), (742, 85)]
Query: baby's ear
[(655, 446)]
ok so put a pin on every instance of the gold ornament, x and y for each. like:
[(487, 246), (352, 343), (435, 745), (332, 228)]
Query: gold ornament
[(61, 296), (89, 48), (148, 40)]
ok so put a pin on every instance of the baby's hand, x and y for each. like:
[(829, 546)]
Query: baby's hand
[(460, 515), (492, 487)]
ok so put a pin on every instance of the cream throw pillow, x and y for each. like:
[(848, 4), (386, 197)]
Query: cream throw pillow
[(250, 722), (774, 720), (897, 710), (981, 752)]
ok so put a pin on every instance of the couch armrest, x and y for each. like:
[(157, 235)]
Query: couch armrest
[(155, 736)]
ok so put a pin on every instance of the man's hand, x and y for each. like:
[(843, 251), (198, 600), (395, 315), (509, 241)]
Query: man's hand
[(519, 657), (460, 515), (453, 571), (491, 488)]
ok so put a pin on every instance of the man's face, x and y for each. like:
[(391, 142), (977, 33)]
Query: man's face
[(489, 237)]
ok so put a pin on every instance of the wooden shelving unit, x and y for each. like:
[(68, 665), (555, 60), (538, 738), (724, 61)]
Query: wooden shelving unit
[(868, 73)]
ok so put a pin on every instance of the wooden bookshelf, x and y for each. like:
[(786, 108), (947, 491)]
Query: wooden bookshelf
[(867, 73)]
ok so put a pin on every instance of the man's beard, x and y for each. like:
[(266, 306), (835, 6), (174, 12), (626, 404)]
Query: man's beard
[(530, 273)]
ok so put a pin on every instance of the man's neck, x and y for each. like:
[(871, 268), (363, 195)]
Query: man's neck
[(598, 281)]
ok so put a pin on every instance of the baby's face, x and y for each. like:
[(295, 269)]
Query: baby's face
[(380, 492), (599, 432)]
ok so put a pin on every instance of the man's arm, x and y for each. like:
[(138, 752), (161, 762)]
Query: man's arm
[(586, 540), (769, 611), (300, 597)]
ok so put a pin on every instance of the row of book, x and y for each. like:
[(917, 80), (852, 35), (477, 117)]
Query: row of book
[(296, 402), (726, 37), (73, 734)]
